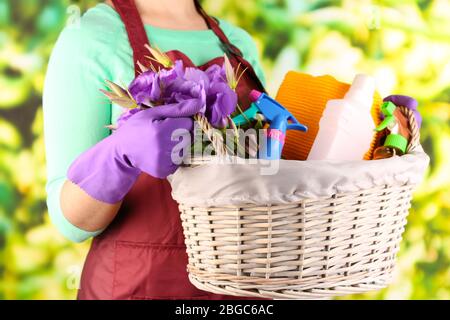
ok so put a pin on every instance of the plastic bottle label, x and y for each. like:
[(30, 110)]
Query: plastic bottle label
[(276, 135)]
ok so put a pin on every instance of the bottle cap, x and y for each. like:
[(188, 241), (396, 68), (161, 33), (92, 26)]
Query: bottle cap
[(388, 108), (396, 141)]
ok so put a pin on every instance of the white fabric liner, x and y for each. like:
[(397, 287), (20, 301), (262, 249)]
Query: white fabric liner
[(222, 184)]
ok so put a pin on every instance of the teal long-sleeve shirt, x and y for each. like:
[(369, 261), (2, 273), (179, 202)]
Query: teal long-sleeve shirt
[(75, 112)]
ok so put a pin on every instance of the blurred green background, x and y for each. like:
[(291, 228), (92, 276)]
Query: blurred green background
[(404, 44)]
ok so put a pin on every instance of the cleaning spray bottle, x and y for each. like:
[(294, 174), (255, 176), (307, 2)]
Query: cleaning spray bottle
[(346, 127), (280, 120), (396, 125)]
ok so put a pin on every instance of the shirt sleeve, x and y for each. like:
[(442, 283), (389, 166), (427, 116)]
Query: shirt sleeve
[(244, 41), (75, 114)]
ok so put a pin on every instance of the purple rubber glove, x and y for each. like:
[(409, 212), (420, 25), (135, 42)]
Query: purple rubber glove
[(407, 102), (108, 170)]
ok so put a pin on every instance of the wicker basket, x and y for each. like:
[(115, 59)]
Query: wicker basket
[(314, 248)]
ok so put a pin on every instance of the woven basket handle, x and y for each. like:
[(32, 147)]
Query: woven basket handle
[(414, 129)]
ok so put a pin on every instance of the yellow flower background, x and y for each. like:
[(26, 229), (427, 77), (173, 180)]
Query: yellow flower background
[(405, 44)]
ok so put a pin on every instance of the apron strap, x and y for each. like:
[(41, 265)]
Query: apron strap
[(230, 48), (213, 24), (135, 30)]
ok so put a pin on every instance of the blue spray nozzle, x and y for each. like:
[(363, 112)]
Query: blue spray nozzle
[(275, 113), (297, 126), (270, 111), (280, 120)]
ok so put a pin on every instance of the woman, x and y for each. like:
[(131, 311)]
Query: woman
[(112, 187)]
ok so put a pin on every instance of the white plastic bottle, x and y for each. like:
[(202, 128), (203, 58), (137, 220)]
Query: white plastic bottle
[(346, 128)]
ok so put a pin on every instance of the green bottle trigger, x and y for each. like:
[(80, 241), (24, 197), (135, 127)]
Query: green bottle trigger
[(387, 108)]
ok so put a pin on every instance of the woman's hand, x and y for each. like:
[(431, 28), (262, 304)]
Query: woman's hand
[(144, 143)]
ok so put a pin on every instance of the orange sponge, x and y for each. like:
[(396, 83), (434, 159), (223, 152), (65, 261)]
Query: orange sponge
[(306, 96)]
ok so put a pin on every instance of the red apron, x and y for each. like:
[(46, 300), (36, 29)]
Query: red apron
[(142, 255)]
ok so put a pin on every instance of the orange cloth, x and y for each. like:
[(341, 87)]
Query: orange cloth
[(306, 96)]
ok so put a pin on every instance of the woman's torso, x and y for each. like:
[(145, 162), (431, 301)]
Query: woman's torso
[(200, 46), (141, 255)]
